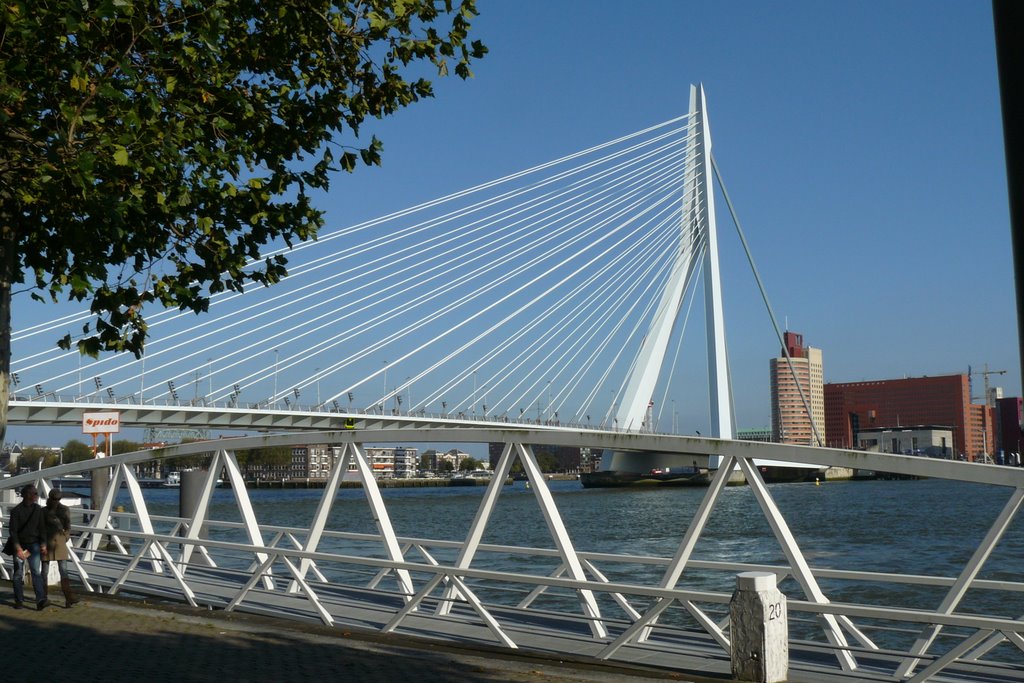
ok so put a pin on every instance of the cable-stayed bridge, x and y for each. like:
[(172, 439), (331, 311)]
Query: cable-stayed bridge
[(545, 307), (549, 296)]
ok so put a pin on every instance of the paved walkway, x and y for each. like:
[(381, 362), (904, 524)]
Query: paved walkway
[(112, 639)]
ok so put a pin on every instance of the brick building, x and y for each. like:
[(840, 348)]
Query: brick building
[(851, 407)]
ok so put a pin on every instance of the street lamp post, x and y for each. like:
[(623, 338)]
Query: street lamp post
[(274, 397)]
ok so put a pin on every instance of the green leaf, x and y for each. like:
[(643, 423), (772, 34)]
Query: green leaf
[(222, 122)]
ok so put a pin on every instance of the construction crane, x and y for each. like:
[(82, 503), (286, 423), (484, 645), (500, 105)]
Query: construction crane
[(985, 374)]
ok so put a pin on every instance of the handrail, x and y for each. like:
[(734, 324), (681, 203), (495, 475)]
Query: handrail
[(622, 612)]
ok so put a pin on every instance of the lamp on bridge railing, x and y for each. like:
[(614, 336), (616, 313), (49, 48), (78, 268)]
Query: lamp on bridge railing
[(337, 408), (39, 389), (170, 386), (444, 409), (275, 376), (110, 393), (15, 380), (98, 381), (287, 402)]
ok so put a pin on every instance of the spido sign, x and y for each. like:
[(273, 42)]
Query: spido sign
[(101, 423)]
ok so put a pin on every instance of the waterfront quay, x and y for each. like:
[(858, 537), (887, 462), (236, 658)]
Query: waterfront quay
[(108, 639), (381, 483)]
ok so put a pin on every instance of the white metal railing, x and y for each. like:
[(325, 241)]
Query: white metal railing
[(599, 604)]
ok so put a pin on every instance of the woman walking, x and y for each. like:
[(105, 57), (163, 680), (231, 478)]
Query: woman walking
[(58, 532)]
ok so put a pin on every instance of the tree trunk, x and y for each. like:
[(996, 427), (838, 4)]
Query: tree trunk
[(6, 277)]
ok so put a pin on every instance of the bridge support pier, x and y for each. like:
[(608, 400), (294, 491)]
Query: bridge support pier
[(759, 629)]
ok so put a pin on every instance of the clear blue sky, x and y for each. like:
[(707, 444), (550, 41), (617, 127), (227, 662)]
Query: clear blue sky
[(861, 143)]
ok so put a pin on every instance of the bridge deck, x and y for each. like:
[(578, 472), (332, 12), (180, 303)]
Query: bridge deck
[(552, 637), (353, 583)]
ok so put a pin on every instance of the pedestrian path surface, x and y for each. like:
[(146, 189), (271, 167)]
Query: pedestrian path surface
[(112, 639)]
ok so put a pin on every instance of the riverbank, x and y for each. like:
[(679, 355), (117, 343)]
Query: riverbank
[(381, 483)]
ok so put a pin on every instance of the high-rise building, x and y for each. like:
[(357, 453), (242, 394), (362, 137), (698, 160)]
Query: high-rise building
[(793, 380), (945, 400)]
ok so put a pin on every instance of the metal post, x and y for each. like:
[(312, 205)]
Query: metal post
[(1008, 17), (100, 485), (274, 398), (190, 492), (759, 629)]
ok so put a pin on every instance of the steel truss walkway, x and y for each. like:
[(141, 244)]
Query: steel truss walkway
[(568, 600)]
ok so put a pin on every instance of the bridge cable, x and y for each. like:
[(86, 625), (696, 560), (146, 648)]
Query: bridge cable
[(764, 296)]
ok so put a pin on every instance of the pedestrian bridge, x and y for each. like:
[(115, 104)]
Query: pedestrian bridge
[(666, 611)]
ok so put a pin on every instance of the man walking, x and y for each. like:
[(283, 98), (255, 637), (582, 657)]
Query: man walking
[(28, 533)]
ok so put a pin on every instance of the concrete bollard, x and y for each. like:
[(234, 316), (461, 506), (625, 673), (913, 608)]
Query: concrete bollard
[(759, 629)]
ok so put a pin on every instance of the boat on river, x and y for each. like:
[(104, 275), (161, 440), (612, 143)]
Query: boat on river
[(173, 480), (661, 476), (72, 481), (472, 478)]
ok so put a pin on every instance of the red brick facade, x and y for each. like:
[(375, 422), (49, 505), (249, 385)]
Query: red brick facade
[(943, 400)]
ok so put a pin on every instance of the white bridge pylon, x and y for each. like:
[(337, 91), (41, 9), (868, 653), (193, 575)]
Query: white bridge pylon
[(697, 246)]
